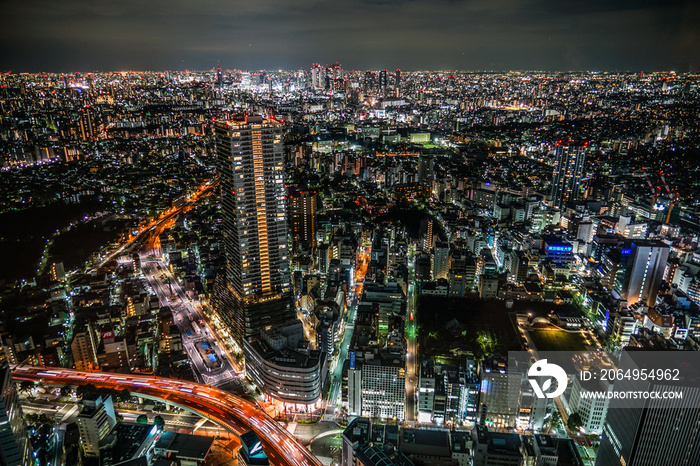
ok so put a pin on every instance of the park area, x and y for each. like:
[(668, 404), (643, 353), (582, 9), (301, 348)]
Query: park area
[(451, 325), (557, 340)]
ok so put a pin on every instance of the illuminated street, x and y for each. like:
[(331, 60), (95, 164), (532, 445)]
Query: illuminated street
[(336, 375), (191, 325)]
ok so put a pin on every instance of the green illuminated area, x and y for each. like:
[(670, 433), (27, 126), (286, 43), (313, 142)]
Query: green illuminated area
[(557, 340)]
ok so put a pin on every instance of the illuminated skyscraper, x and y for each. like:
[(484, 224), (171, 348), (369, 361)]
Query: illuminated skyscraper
[(383, 80), (369, 81), (87, 124), (14, 439), (568, 171), (653, 431), (302, 215), (256, 300), (219, 77), (257, 290)]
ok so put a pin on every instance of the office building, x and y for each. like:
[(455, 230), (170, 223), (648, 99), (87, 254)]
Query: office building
[(462, 273), (14, 439), (591, 409), (447, 393), (496, 448), (499, 400), (422, 266), (517, 263), (653, 432), (257, 286), (488, 287), (568, 170), (183, 448), (389, 300), (383, 383), (219, 77), (559, 252), (95, 421), (302, 217), (370, 444), (426, 446), (383, 80)]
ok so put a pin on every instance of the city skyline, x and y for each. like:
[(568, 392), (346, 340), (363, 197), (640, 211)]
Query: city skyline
[(474, 35), (352, 248)]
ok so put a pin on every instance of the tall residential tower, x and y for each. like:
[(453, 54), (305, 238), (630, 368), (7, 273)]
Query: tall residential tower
[(251, 167), (302, 214), (568, 171), (255, 297)]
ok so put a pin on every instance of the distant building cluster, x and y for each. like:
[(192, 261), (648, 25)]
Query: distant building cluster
[(362, 246)]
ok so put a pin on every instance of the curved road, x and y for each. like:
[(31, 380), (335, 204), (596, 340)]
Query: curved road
[(231, 412)]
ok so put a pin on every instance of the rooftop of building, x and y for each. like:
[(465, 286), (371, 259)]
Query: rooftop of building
[(287, 357), (498, 442), (125, 441), (546, 444), (185, 446), (374, 456), (238, 120), (426, 442)]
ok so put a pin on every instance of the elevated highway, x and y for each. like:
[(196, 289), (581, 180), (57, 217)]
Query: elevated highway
[(231, 412)]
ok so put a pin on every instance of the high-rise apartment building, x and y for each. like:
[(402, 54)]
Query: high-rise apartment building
[(87, 124), (429, 239), (258, 286), (426, 170), (84, 349), (302, 216), (255, 300), (14, 439), (441, 260), (568, 171)]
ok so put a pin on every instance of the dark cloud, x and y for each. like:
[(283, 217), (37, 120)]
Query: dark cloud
[(42, 35)]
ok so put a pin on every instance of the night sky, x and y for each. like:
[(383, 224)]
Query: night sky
[(549, 35)]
